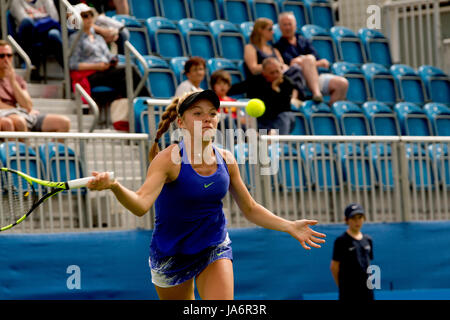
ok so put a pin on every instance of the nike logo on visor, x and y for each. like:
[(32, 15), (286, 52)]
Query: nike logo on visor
[(207, 185)]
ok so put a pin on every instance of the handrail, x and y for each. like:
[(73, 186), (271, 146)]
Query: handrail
[(23, 55), (79, 91)]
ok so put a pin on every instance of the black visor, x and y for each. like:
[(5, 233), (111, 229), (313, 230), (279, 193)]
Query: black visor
[(205, 94)]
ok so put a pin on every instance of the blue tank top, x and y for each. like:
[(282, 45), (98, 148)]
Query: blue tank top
[(188, 212)]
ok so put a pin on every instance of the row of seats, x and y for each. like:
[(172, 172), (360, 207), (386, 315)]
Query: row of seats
[(373, 118), (236, 11), (52, 161)]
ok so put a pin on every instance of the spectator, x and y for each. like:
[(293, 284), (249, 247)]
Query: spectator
[(276, 90), (195, 70), (120, 6), (111, 30), (38, 21), (297, 50), (221, 84), (16, 106), (92, 64), (352, 253)]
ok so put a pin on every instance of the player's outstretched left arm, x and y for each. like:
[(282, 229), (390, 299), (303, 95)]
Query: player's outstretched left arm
[(256, 213)]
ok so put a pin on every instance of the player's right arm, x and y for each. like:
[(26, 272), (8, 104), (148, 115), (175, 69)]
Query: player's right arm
[(139, 202)]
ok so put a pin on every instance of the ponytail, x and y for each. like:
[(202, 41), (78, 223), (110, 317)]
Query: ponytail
[(168, 116)]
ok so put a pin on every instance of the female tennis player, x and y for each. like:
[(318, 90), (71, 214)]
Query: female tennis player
[(190, 239)]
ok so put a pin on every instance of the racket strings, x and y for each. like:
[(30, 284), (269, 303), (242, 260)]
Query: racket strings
[(17, 198)]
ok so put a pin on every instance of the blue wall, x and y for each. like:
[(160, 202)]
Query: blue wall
[(267, 264)]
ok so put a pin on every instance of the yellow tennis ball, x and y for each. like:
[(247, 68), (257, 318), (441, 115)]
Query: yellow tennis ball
[(255, 108)]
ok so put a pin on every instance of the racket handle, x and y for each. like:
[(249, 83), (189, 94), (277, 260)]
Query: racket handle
[(80, 183)]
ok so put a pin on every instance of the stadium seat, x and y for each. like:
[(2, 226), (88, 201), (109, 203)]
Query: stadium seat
[(439, 115), (381, 156), (205, 10), (381, 83), (321, 164), (141, 115), (383, 121), (199, 40), (291, 173), (15, 155), (241, 153), (225, 64), (410, 84), (246, 29), (351, 118), (299, 10), (229, 39), (138, 33), (322, 42), (276, 33), (320, 13), (174, 10), (167, 41), (264, 9), (235, 11), (421, 172), (436, 82), (177, 66), (358, 88), (355, 165), (61, 163), (376, 45), (320, 119), (440, 157), (161, 79), (301, 125), (413, 120), (143, 10), (349, 46)]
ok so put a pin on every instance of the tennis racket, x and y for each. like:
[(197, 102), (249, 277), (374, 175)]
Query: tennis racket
[(19, 195)]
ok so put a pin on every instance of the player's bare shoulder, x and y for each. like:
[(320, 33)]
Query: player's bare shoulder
[(168, 160)]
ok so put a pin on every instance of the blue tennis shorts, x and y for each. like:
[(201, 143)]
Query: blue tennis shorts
[(174, 270)]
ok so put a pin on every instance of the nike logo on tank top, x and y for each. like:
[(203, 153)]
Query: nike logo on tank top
[(189, 213)]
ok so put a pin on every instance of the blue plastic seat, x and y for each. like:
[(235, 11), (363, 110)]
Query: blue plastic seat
[(301, 125), (264, 9), (351, 118), (236, 11), (161, 82), (381, 83), (436, 82), (143, 10), (166, 40), (439, 115), (410, 84), (320, 13), (358, 88), (321, 164), (246, 29), (299, 10), (321, 41), (349, 45), (413, 120), (421, 174), (382, 162), (320, 119), (174, 10), (440, 157), (225, 64), (382, 119), (355, 165), (246, 168), (376, 45), (199, 40), (138, 33), (61, 162), (141, 115), (205, 10), (229, 40)]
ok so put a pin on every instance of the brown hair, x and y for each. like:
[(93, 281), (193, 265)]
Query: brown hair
[(260, 24), (4, 43), (192, 62), (220, 75)]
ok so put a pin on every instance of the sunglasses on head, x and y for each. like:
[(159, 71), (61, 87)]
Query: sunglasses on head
[(2, 55), (86, 15)]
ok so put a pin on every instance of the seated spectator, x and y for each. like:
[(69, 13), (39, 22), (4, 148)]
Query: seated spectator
[(195, 71), (111, 30), (297, 50), (221, 83), (16, 106), (276, 90), (92, 64), (38, 21)]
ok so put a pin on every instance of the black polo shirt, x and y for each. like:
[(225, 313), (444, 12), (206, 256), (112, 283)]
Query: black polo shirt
[(354, 257)]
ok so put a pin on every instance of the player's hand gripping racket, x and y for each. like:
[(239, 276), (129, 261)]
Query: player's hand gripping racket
[(19, 196)]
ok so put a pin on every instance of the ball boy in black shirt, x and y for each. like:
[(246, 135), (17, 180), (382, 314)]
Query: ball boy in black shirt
[(352, 253)]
